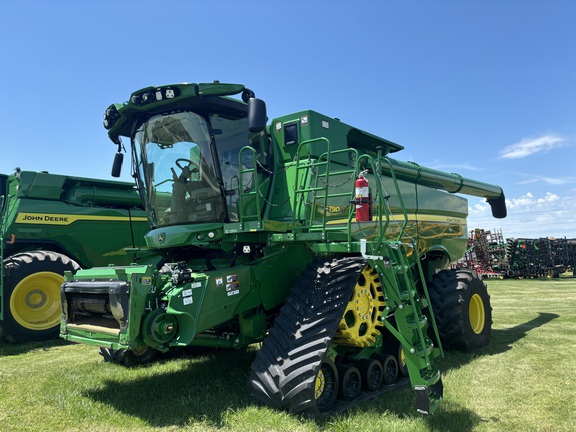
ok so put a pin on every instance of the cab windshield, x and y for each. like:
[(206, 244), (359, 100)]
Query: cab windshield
[(182, 177)]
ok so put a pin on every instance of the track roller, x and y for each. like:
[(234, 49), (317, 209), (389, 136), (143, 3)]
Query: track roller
[(350, 383), (372, 373)]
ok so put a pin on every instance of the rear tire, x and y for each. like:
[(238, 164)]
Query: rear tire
[(461, 305), (31, 300)]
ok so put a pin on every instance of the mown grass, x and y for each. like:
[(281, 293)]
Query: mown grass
[(523, 381)]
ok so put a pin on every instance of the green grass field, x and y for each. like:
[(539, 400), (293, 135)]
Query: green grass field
[(525, 380)]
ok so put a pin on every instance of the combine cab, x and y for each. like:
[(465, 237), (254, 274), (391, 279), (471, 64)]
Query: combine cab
[(304, 235)]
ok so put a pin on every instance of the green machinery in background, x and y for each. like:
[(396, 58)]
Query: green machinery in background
[(303, 234), (52, 223), (541, 257)]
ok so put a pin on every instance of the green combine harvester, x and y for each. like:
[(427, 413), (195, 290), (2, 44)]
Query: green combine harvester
[(50, 224), (303, 235)]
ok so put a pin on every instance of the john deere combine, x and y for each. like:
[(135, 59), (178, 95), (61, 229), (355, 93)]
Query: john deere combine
[(304, 235), (52, 223)]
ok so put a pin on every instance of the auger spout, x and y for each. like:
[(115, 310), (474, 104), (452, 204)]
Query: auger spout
[(450, 182)]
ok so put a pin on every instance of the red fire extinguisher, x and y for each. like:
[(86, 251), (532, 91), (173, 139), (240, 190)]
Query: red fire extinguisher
[(362, 199)]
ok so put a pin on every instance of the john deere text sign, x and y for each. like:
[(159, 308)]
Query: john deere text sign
[(67, 219)]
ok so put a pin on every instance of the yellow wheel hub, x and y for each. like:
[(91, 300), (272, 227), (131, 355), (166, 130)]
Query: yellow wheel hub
[(363, 315), (477, 314), (320, 385), (35, 301)]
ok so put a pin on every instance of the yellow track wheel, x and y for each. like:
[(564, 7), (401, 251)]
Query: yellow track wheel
[(320, 384), (363, 315), (326, 385)]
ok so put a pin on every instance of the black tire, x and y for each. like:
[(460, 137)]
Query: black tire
[(372, 374), (350, 383), (129, 358), (462, 309), (31, 299)]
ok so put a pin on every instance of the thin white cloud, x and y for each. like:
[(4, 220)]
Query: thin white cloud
[(548, 180), (529, 216), (462, 166), (529, 146)]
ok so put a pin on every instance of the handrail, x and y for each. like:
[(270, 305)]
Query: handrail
[(321, 170), (255, 182), (296, 207), (4, 204), (353, 174)]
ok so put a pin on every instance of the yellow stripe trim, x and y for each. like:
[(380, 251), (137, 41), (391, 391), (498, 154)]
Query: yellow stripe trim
[(67, 219), (412, 217)]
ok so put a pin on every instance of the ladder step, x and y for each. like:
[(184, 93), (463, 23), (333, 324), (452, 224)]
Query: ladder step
[(422, 353), (406, 295), (429, 397), (417, 324)]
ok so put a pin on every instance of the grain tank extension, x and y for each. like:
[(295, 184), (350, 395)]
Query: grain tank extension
[(303, 234)]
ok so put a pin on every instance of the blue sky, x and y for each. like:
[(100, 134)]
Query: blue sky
[(486, 88)]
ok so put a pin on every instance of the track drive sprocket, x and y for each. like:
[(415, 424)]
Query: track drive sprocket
[(362, 319)]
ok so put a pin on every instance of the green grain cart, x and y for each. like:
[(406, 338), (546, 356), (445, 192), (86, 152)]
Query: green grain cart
[(303, 235), (52, 223)]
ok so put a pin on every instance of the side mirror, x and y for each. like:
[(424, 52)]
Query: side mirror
[(117, 164), (256, 115)]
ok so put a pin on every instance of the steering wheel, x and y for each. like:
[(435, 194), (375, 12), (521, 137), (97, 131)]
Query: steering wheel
[(188, 162), (195, 170)]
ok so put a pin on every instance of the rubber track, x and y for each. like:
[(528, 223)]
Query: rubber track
[(284, 371)]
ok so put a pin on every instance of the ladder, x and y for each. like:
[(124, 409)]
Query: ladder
[(410, 325)]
